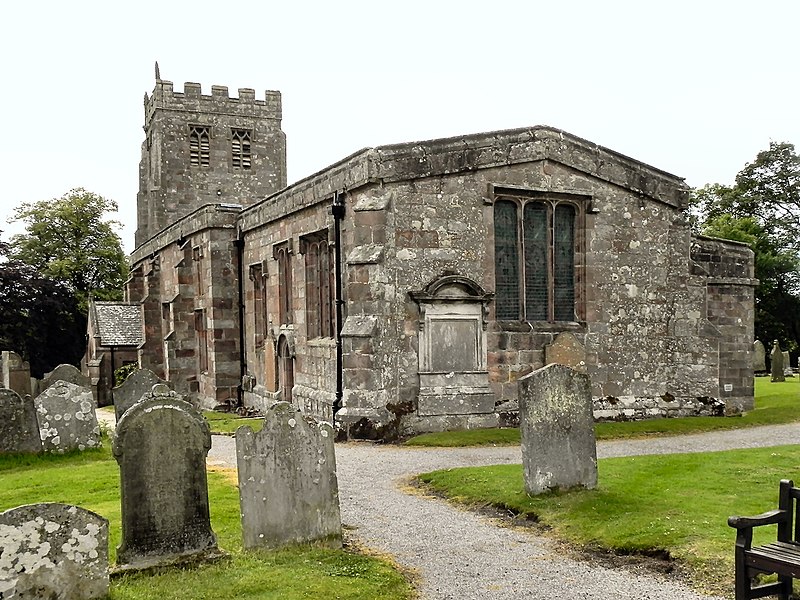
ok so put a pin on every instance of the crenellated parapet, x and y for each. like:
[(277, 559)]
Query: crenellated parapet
[(219, 101)]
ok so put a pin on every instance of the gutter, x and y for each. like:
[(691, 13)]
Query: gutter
[(338, 212)]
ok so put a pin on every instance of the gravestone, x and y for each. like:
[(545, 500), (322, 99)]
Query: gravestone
[(776, 363), (787, 365), (566, 350), (16, 373), (53, 551), (66, 373), (161, 446), (557, 429), (19, 429), (759, 357), (67, 420), (134, 388), (288, 490)]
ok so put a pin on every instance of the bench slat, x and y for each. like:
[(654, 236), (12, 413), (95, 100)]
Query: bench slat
[(778, 557)]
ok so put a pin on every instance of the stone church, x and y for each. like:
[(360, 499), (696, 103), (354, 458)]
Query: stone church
[(406, 288)]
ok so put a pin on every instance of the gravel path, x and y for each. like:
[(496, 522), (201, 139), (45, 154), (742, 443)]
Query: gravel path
[(462, 555)]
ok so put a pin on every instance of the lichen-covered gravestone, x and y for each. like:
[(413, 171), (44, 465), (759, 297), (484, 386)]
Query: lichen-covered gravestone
[(19, 429), (776, 366), (53, 551), (557, 430), (67, 420), (161, 446), (134, 388), (287, 481), (66, 373), (759, 357)]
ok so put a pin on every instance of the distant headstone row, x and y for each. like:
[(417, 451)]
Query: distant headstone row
[(60, 419)]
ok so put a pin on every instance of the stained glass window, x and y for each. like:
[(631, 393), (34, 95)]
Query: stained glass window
[(506, 258), (535, 273)]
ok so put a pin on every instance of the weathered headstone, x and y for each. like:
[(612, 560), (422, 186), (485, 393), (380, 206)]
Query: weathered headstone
[(19, 429), (66, 373), (557, 429), (67, 420), (161, 446), (53, 551), (787, 365), (566, 350), (137, 385), (287, 481), (16, 373), (776, 369), (759, 357)]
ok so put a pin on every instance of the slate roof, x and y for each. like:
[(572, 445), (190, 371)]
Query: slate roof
[(118, 323)]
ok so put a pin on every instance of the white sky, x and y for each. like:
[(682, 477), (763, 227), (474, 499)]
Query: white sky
[(696, 88)]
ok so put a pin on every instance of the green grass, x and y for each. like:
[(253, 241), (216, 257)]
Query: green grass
[(776, 403), (675, 503), (91, 480), (228, 423)]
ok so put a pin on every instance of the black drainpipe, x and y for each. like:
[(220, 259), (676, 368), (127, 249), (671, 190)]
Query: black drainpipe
[(239, 245), (338, 210)]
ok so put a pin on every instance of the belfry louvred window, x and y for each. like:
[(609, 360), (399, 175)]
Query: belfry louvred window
[(199, 146), (240, 149), (534, 248)]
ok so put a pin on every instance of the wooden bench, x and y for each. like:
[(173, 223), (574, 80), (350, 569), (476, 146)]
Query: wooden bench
[(781, 556)]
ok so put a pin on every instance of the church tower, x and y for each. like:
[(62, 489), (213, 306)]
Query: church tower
[(203, 149)]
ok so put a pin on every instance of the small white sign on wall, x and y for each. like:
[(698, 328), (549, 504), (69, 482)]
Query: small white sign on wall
[(728, 387)]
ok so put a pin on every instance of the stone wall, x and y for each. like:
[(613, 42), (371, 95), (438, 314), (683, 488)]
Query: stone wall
[(188, 276)]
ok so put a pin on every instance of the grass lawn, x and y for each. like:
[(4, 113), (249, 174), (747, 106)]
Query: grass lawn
[(91, 480), (675, 503), (775, 403), (228, 423)]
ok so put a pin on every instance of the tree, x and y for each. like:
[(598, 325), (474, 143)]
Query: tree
[(39, 317), (69, 240), (762, 209), (767, 189)]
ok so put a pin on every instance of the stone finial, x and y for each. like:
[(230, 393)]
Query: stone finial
[(158, 72)]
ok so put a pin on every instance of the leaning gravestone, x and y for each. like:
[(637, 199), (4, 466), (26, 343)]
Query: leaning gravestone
[(557, 429), (138, 384), (16, 373), (759, 357), (161, 446), (66, 373), (776, 364), (19, 429), (53, 551), (67, 420), (288, 490)]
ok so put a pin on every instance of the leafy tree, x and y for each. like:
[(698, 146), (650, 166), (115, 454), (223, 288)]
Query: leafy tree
[(69, 240), (767, 189), (39, 317), (762, 209)]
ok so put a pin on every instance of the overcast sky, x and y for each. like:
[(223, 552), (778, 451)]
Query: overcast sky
[(696, 88)]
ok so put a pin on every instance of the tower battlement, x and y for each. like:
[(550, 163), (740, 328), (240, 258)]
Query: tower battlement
[(192, 99)]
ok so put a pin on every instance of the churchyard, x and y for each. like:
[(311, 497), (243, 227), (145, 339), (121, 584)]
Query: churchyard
[(177, 529)]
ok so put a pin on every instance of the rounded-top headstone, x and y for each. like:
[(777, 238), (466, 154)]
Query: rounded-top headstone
[(161, 445)]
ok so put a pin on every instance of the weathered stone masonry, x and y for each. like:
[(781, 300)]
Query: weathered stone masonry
[(430, 337)]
